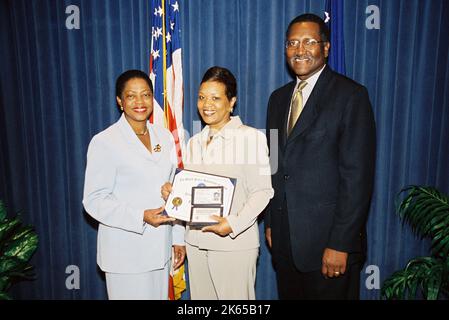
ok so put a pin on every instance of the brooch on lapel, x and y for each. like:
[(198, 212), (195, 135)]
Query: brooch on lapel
[(157, 148)]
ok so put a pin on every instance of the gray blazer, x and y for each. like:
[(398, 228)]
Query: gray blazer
[(123, 179)]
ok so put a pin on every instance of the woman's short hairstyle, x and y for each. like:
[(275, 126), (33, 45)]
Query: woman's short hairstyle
[(223, 76), (128, 75)]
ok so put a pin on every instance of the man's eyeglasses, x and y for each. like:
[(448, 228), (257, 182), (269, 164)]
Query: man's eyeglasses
[(307, 43)]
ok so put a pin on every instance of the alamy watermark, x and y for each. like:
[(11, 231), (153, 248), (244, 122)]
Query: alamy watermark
[(373, 20), (72, 282), (233, 147), (73, 19), (372, 282)]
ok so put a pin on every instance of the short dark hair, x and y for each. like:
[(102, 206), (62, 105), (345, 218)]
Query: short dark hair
[(223, 76), (128, 75), (310, 17)]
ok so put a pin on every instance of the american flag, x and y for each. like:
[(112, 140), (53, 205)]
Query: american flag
[(166, 70), (166, 75)]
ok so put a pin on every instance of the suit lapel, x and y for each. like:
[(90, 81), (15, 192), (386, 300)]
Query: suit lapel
[(311, 109), (134, 142)]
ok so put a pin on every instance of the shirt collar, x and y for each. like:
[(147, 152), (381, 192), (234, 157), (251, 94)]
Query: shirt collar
[(126, 129), (234, 123), (312, 80), (131, 137)]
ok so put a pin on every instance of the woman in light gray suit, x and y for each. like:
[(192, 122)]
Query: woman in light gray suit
[(127, 164), (222, 257)]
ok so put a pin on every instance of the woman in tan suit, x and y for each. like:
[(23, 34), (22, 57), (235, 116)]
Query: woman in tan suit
[(222, 257)]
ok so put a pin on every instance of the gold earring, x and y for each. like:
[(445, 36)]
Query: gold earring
[(121, 108)]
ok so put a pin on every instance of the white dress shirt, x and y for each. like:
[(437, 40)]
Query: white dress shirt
[(307, 90)]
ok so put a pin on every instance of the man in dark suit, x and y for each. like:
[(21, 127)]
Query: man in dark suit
[(315, 224)]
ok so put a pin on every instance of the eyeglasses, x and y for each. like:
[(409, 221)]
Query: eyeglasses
[(308, 44)]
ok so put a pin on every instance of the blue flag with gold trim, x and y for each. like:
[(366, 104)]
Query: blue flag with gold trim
[(334, 20)]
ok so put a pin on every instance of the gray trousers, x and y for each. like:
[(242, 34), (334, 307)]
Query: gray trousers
[(152, 285), (222, 275)]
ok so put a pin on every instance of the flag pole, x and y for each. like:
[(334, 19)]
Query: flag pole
[(164, 70)]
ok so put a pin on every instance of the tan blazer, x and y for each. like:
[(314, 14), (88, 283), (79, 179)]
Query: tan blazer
[(240, 152)]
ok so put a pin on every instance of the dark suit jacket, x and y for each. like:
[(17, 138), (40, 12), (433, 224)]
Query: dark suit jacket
[(325, 170)]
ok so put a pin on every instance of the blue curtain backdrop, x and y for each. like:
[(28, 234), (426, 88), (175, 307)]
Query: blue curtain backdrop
[(57, 91)]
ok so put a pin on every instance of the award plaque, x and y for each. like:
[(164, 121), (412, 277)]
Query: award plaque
[(196, 196)]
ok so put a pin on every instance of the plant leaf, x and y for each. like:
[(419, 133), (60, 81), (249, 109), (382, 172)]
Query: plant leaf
[(2, 211), (23, 248), (4, 296), (7, 227), (17, 245), (424, 272)]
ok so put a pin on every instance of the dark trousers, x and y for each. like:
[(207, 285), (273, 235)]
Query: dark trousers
[(296, 285)]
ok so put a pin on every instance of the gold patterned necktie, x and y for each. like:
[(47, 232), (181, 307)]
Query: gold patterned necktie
[(296, 107)]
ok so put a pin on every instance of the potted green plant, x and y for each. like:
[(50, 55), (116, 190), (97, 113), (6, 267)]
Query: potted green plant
[(427, 211), (17, 245)]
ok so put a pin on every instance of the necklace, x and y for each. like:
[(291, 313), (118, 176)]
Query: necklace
[(143, 133)]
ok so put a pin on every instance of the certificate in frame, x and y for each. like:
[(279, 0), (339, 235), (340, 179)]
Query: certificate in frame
[(197, 195)]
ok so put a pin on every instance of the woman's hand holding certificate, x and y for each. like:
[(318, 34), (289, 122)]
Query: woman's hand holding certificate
[(166, 190), (155, 217), (222, 228)]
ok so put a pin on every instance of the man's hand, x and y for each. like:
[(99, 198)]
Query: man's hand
[(334, 263), (268, 236), (155, 218), (222, 228), (180, 255), (166, 190)]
